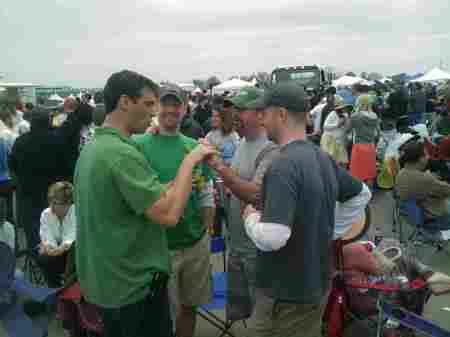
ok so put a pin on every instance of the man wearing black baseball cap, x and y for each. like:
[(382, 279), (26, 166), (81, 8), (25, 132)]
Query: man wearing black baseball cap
[(293, 232)]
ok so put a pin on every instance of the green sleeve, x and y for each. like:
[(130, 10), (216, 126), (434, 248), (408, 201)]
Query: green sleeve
[(137, 182)]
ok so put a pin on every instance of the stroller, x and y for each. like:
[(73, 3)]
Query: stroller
[(378, 292)]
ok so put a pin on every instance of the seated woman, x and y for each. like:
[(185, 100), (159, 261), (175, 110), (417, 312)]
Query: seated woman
[(58, 230), (414, 182)]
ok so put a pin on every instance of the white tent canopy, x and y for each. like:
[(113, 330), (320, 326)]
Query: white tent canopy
[(187, 86), (347, 81), (435, 74), (56, 97), (234, 84)]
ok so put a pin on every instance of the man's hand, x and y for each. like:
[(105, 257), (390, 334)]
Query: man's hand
[(48, 250), (201, 152), (216, 163), (43, 249), (154, 130), (248, 210), (65, 247)]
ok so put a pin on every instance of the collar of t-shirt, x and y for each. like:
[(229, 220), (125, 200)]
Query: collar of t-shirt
[(108, 131)]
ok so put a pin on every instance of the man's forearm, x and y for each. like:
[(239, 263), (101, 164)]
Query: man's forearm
[(244, 190), (178, 193)]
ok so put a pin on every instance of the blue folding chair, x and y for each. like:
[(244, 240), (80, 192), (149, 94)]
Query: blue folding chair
[(422, 232), (218, 303), (218, 246), (13, 290)]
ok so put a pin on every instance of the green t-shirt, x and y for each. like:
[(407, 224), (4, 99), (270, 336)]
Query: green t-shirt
[(165, 155), (117, 248)]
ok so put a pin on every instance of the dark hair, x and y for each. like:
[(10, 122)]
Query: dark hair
[(84, 112), (331, 91), (29, 106), (411, 152), (127, 83), (226, 121), (98, 97)]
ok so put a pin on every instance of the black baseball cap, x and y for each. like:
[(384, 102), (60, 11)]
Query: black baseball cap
[(174, 91), (286, 95)]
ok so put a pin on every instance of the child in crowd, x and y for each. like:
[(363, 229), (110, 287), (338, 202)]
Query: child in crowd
[(57, 232)]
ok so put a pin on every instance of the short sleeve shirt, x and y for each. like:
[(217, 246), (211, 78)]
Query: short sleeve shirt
[(245, 165), (117, 249), (300, 190)]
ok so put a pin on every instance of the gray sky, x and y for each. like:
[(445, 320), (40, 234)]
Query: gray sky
[(81, 42)]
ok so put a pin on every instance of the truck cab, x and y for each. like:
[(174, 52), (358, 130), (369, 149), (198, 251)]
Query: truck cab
[(310, 77)]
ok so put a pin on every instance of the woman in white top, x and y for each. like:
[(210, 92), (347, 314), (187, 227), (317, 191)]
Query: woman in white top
[(334, 135), (57, 231), (222, 136)]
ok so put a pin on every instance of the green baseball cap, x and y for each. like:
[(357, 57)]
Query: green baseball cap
[(287, 95), (247, 98)]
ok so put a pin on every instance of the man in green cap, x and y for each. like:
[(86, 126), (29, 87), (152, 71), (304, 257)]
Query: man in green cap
[(243, 179)]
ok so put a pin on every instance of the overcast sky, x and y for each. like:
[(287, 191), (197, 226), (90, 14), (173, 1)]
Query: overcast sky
[(81, 42)]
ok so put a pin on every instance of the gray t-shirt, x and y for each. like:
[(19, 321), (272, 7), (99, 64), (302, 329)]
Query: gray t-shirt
[(250, 162), (300, 190)]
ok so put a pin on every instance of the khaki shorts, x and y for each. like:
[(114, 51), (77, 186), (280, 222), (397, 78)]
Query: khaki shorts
[(280, 319), (190, 283)]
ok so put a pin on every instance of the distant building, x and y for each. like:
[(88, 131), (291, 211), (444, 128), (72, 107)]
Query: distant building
[(46, 91)]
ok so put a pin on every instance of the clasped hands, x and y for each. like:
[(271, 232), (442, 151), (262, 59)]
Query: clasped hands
[(48, 250)]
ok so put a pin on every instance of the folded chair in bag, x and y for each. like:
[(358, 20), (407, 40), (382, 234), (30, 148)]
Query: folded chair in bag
[(80, 318)]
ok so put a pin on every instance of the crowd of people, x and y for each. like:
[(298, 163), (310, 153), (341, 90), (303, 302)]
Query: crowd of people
[(131, 196)]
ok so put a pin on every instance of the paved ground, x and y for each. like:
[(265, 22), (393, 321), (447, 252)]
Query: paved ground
[(382, 210)]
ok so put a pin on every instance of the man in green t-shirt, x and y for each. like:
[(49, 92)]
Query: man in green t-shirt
[(189, 244), (123, 211)]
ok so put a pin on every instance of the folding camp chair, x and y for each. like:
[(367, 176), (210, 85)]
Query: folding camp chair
[(31, 269), (422, 235), (13, 291), (219, 303), (218, 245)]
